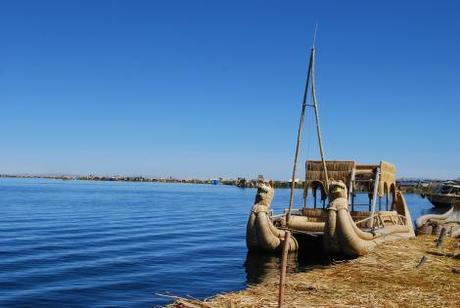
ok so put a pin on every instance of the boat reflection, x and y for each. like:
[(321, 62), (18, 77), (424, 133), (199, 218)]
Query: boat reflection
[(260, 266)]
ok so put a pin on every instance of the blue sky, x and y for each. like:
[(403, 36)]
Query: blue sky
[(213, 88)]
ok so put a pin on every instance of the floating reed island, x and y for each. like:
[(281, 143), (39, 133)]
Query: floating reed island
[(411, 273)]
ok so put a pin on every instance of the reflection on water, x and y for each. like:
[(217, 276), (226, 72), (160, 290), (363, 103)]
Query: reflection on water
[(261, 266)]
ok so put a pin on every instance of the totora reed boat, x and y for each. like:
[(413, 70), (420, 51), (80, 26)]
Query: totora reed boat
[(340, 225), (445, 195), (343, 226)]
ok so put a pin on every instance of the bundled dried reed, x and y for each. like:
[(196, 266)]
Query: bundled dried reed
[(387, 277)]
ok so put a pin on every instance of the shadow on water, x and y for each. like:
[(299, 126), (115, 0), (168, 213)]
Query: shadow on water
[(260, 266)]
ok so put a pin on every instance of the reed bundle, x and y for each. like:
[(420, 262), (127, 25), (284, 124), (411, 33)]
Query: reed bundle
[(388, 277)]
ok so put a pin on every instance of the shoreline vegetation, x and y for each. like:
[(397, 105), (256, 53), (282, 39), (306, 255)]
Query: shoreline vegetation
[(411, 186), (410, 273)]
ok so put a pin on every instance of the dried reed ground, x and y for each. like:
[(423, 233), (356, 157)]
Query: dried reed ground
[(387, 277)]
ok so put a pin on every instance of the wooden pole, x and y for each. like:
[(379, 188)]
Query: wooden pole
[(299, 136), (318, 127), (374, 197), (350, 189), (284, 256), (314, 194), (441, 238), (305, 189)]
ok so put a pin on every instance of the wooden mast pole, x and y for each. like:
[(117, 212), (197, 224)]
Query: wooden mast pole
[(300, 129), (318, 128)]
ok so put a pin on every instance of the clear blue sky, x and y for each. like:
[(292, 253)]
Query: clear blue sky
[(213, 88)]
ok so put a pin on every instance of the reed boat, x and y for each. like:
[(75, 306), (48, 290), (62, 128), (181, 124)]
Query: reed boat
[(448, 222), (339, 225), (445, 195), (334, 218)]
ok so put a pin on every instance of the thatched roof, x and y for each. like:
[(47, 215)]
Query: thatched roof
[(387, 178), (342, 170), (336, 169)]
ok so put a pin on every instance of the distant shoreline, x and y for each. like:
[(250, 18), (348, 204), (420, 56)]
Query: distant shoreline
[(410, 188), (239, 182)]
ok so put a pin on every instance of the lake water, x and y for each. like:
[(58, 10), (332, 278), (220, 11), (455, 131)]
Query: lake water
[(83, 243)]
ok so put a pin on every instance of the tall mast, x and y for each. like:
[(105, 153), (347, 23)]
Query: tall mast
[(310, 75), (318, 127), (300, 129)]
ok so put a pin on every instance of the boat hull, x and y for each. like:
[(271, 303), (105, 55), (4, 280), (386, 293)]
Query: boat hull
[(335, 228), (345, 237), (262, 235), (434, 223), (443, 200)]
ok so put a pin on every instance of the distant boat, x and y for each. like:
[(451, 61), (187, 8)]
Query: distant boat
[(436, 223), (445, 195)]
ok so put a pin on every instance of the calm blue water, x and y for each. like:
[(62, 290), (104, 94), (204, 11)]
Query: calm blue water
[(81, 243)]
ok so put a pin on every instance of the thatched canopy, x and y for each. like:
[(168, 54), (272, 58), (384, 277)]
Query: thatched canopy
[(387, 178), (387, 181), (336, 169), (342, 170)]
